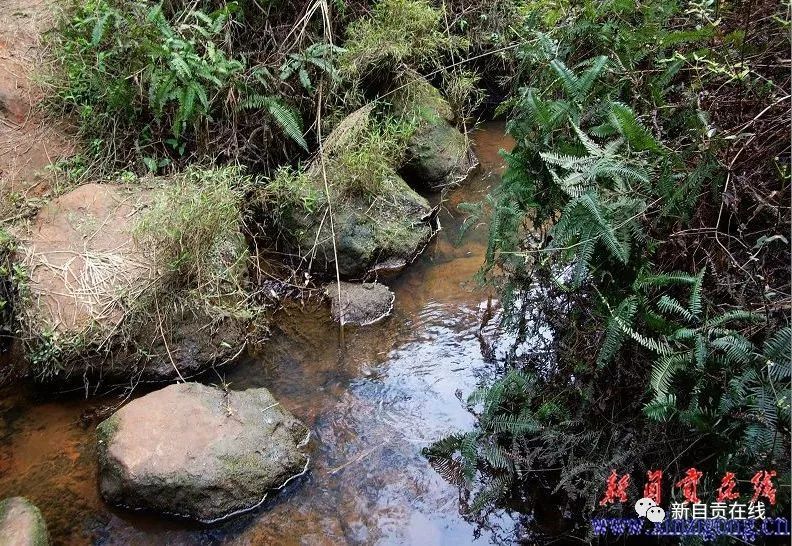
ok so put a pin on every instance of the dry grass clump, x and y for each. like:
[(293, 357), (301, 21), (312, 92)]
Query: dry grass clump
[(191, 219), (397, 33)]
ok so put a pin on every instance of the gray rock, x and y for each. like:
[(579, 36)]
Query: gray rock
[(199, 452), (21, 524), (360, 304), (365, 235), (438, 155)]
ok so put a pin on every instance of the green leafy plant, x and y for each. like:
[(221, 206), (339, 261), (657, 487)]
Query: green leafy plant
[(614, 203), (321, 56), (123, 61), (504, 411), (152, 78), (286, 117), (185, 68), (363, 166)]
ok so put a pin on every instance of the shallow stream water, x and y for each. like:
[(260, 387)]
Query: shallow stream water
[(372, 399)]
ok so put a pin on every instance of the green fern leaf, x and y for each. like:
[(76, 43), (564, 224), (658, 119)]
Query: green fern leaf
[(668, 304), (695, 295), (626, 122), (568, 78), (664, 370), (588, 78), (614, 334)]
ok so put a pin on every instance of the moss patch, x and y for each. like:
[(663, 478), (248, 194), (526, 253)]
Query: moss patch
[(106, 430), (20, 507), (398, 32)]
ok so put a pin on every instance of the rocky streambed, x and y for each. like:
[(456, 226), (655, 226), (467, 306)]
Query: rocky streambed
[(371, 398)]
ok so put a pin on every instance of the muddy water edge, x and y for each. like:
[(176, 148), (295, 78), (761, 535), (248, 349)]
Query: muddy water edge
[(372, 403)]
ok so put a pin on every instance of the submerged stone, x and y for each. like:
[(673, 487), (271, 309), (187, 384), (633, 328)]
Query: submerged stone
[(21, 523), (360, 303), (199, 452)]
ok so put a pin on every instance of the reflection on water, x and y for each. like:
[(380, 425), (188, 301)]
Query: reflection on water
[(372, 403)]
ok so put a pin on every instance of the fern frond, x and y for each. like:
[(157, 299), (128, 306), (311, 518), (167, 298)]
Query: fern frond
[(737, 315), (99, 28), (659, 346), (468, 449), (663, 279), (663, 371), (285, 117), (661, 408), (288, 120), (591, 147), (626, 122), (567, 78), (736, 348), (497, 458), (668, 304), (778, 347), (614, 334), (606, 232), (586, 81), (515, 424), (695, 294)]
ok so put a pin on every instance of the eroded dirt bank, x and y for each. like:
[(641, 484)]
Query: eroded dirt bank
[(28, 141)]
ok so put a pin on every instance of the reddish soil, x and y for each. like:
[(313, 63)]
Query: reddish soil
[(28, 140)]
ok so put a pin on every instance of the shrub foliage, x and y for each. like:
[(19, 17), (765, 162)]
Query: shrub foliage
[(635, 220)]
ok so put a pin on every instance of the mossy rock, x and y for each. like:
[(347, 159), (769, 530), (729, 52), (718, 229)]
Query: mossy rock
[(395, 225), (21, 523), (415, 96), (96, 304), (438, 155)]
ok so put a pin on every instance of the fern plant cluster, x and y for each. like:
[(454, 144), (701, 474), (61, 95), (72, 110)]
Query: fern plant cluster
[(127, 62), (157, 86), (160, 84), (617, 161)]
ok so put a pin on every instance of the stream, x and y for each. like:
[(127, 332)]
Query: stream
[(372, 402)]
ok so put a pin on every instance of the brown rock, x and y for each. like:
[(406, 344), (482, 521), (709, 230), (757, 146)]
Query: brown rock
[(92, 310), (83, 263), (199, 452)]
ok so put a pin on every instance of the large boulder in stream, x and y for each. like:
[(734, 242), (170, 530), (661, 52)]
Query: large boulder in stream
[(377, 217), (366, 234), (438, 154), (95, 305), (199, 452), (359, 303), (21, 524)]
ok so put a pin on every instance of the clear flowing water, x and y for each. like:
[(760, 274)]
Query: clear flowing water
[(373, 399)]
